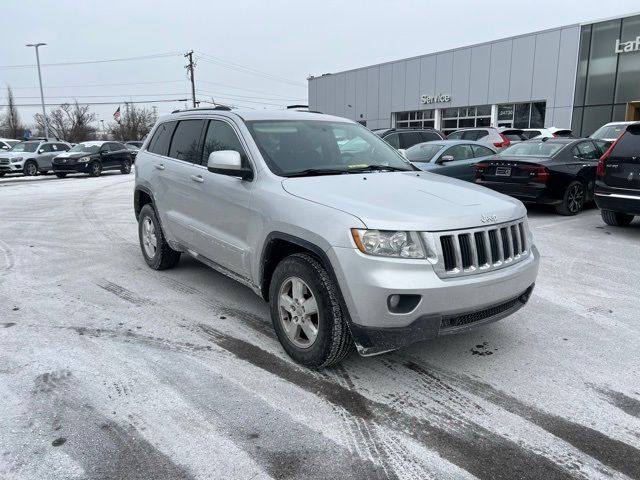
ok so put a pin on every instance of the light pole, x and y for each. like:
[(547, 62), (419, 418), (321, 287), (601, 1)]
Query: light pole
[(44, 113)]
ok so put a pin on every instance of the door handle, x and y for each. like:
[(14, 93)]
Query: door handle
[(159, 166), (197, 178)]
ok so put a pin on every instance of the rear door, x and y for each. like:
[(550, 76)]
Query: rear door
[(45, 156), (622, 168)]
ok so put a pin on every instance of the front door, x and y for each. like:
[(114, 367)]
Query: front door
[(221, 211)]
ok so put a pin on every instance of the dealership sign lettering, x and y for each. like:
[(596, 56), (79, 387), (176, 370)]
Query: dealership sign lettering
[(630, 46), (440, 98)]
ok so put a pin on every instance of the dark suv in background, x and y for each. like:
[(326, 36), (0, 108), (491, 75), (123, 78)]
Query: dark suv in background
[(403, 138), (618, 179)]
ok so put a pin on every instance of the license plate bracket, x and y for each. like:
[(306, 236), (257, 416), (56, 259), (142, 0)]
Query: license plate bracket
[(503, 171)]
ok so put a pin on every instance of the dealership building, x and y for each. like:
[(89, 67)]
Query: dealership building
[(580, 76)]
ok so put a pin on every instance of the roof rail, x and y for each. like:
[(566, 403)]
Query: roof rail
[(217, 107)]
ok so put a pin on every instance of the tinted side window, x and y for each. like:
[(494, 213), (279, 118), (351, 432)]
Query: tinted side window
[(429, 136), (409, 139), (482, 134), (161, 138), (393, 140), (116, 147), (185, 144), (62, 147), (628, 145), (455, 136), (46, 148), (221, 136), (460, 152), (587, 150), (479, 151)]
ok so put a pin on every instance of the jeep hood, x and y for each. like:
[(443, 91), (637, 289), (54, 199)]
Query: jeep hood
[(408, 201)]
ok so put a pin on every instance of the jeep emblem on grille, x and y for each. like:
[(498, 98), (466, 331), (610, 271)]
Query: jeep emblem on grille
[(488, 218)]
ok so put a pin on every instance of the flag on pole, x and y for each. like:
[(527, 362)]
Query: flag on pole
[(116, 115)]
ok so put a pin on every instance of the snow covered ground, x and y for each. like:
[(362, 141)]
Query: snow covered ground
[(111, 370)]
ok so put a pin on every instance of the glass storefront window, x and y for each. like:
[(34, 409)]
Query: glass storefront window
[(601, 76), (415, 119), (628, 83), (522, 115)]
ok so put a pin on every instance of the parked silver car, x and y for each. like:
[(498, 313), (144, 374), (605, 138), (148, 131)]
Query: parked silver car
[(453, 158), (7, 143), (495, 137), (347, 247), (31, 157)]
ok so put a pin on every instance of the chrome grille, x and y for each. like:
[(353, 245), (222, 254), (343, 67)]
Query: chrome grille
[(478, 250), (4, 161)]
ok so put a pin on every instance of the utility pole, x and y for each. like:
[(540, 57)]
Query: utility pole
[(44, 113), (190, 69)]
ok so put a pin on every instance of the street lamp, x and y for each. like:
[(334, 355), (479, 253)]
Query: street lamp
[(44, 113)]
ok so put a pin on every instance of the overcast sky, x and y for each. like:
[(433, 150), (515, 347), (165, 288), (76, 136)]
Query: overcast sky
[(252, 53)]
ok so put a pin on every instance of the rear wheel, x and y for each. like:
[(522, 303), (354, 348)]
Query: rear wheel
[(155, 248), (616, 219), (306, 313), (573, 199), (30, 168), (61, 175), (126, 167), (95, 169)]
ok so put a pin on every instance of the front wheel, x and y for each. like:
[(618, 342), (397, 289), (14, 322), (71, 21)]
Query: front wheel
[(616, 219), (31, 168), (573, 199), (95, 169), (155, 248), (306, 313), (126, 167)]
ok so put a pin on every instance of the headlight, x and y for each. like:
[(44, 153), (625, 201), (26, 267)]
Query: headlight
[(16, 160), (389, 243), (84, 159)]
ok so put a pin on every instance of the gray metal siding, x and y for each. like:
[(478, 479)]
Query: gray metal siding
[(535, 67), (479, 81)]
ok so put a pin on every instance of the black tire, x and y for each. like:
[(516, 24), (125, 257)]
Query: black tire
[(125, 168), (165, 256), (333, 341), (573, 199), (616, 219), (2, 174), (61, 175), (30, 168), (95, 168)]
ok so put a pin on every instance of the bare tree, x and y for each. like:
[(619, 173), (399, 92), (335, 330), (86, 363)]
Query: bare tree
[(10, 121), (134, 124), (70, 122)]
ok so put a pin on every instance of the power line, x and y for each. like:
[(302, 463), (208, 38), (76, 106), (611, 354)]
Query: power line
[(242, 99), (100, 85), (252, 71), (107, 96), (227, 94), (99, 103), (127, 59)]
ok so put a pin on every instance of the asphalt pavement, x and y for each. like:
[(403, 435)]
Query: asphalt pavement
[(110, 370)]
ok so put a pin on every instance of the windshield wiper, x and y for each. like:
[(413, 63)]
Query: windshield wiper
[(389, 168), (309, 172)]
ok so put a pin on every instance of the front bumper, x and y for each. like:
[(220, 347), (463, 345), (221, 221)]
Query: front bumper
[(445, 305), (71, 167), (12, 167)]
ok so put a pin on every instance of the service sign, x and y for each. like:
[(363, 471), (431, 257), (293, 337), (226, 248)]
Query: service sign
[(440, 98)]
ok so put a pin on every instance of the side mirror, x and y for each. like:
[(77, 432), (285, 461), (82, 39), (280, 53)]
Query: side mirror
[(40, 150), (444, 159), (4, 147), (228, 162)]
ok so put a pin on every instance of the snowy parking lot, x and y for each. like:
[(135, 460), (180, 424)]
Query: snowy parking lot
[(111, 370)]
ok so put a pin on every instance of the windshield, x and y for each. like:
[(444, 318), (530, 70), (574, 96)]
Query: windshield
[(11, 143), (86, 148), (25, 147), (315, 147), (532, 149), (609, 131), (423, 152)]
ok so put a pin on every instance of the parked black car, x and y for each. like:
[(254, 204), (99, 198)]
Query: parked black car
[(93, 158), (408, 137), (552, 171), (618, 179)]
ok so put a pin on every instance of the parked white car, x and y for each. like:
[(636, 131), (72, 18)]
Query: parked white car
[(550, 132)]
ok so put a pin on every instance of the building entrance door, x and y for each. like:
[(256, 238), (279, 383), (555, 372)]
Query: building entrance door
[(633, 112)]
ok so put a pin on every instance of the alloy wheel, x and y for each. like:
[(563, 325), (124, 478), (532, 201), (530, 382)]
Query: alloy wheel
[(298, 312), (575, 198), (149, 239), (32, 169)]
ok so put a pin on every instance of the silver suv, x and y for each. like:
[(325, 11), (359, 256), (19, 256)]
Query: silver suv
[(354, 247), (31, 157)]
